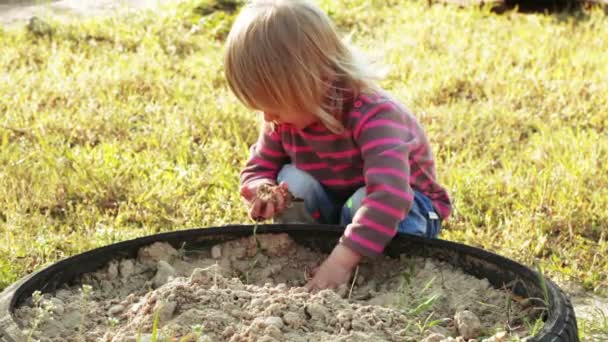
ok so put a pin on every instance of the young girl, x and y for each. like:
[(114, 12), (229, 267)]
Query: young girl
[(331, 137)]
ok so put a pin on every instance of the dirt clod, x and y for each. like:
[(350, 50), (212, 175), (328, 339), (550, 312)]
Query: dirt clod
[(468, 324), (165, 310), (205, 276), (498, 337), (156, 252), (216, 252), (269, 192), (126, 268), (163, 271), (452, 339), (434, 337), (116, 309)]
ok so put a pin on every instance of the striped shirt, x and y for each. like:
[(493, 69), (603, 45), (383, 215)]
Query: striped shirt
[(383, 148)]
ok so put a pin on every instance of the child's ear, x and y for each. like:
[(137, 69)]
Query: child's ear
[(268, 127)]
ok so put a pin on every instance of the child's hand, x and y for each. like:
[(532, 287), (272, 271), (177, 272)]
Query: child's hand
[(335, 270), (266, 200)]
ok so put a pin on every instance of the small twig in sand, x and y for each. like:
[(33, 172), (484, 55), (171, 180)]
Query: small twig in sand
[(215, 275), (352, 285), (306, 277)]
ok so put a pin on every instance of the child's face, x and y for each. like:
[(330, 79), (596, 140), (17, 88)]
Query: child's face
[(300, 120)]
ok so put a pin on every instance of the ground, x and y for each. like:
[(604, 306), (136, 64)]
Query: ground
[(12, 13)]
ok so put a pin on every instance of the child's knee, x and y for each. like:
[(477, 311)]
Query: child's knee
[(300, 184), (351, 206), (317, 202)]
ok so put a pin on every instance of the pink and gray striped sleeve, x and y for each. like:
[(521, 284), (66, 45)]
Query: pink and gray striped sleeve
[(388, 138), (267, 156)]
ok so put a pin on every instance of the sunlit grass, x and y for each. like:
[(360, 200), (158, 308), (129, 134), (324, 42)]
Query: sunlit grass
[(121, 127)]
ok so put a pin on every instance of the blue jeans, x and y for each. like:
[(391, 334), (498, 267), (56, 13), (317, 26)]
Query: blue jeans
[(422, 219)]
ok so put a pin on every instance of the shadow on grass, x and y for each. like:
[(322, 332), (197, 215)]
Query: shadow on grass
[(561, 9)]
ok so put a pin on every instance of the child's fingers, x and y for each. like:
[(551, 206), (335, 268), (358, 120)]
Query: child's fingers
[(279, 202), (283, 196), (310, 276), (310, 286), (247, 193), (268, 210), (255, 211), (313, 285)]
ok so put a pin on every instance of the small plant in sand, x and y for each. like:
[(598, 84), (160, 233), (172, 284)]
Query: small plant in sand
[(113, 323), (44, 309), (182, 251), (532, 318), (408, 273), (85, 296), (424, 305), (534, 326), (197, 331), (256, 257), (529, 315), (405, 289), (543, 285), (416, 308), (158, 336), (423, 326), (155, 337), (155, 331)]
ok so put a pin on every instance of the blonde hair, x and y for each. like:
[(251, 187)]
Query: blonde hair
[(287, 55)]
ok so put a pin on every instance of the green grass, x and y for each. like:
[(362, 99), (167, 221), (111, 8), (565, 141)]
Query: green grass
[(595, 328), (116, 128)]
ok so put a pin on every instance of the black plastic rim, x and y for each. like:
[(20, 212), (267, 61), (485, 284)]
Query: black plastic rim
[(560, 324)]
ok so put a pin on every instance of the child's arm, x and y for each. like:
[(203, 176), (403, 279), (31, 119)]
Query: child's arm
[(267, 156), (387, 138), (335, 270)]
